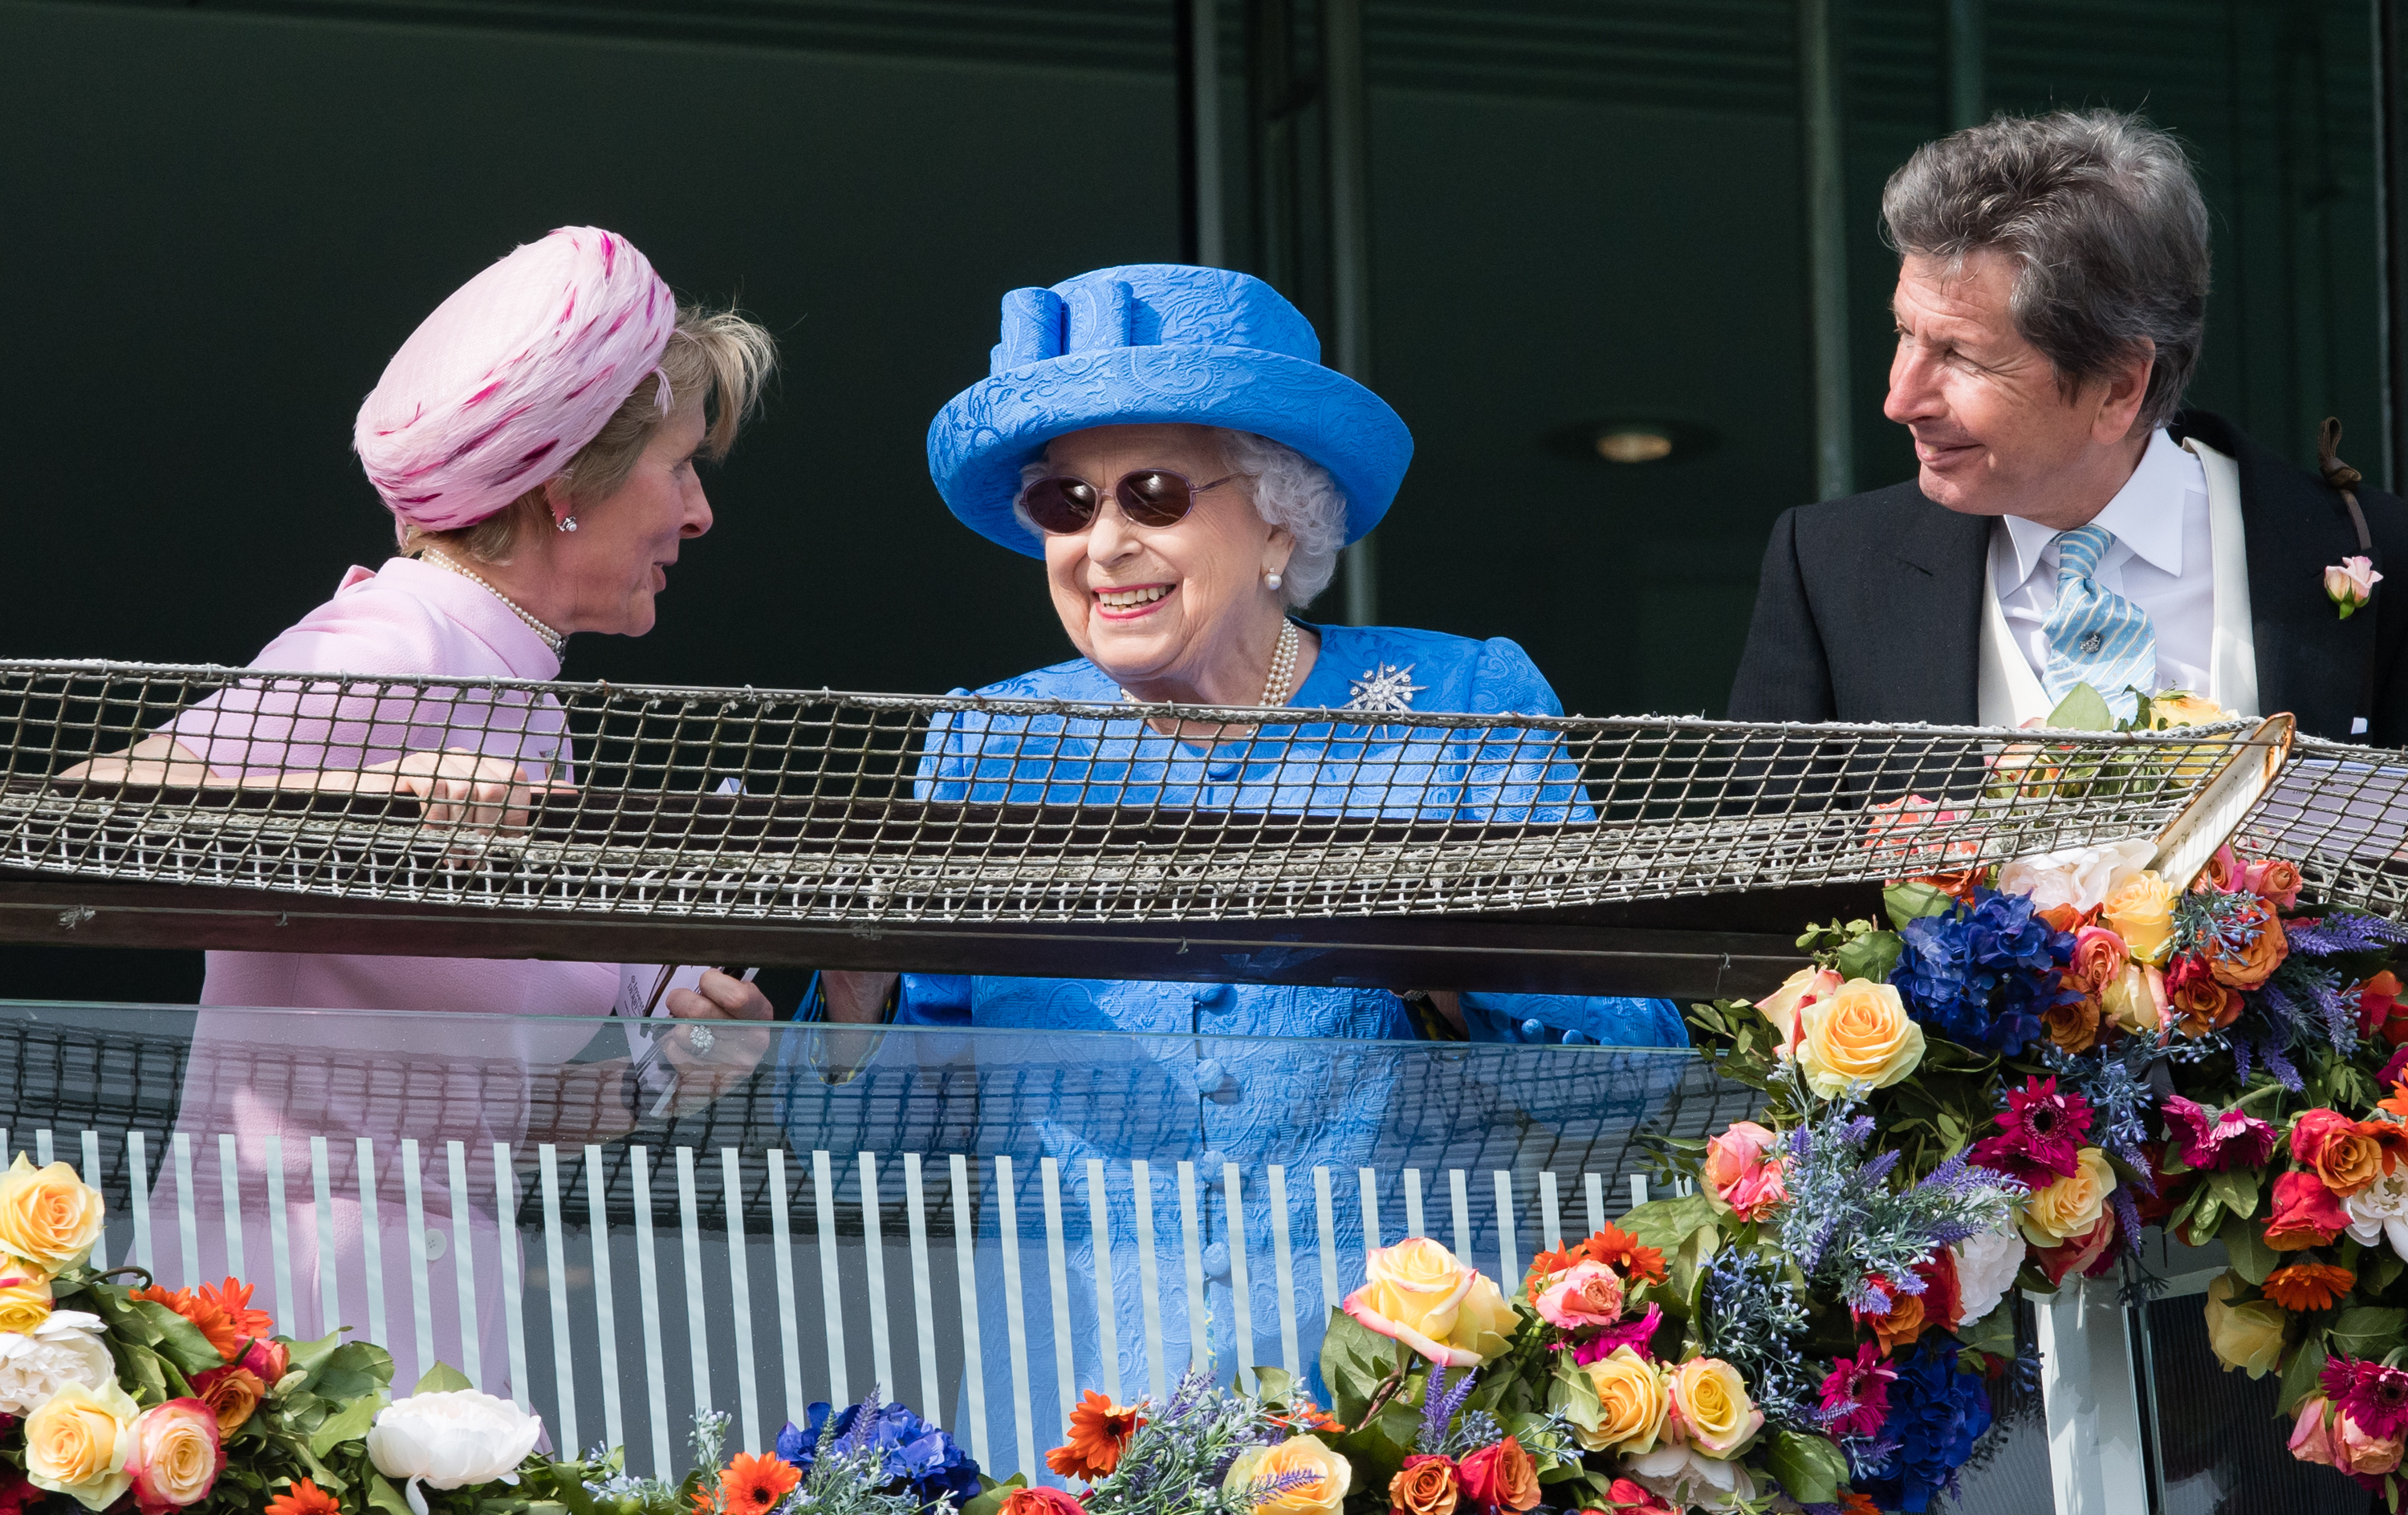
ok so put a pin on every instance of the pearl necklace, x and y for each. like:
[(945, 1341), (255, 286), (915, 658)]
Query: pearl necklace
[(1275, 684), (552, 638)]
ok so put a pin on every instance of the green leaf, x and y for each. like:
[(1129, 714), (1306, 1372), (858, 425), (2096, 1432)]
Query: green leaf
[(1354, 1360), (1994, 1332), (2236, 1188), (139, 1369), (2084, 708), (1809, 1469), (309, 1356), (1572, 1394), (1666, 1223), (1871, 956), (1912, 900), (353, 1370), (350, 1423), (2248, 1254), (2299, 1375), (442, 1379), (2368, 1330), (385, 1497), (180, 1342), (989, 1500), (2381, 1273)]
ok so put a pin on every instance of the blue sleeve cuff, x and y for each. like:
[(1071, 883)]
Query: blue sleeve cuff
[(932, 999), (1574, 1018)]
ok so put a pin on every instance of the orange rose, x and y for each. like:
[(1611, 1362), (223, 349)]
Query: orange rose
[(1426, 1487), (2197, 1001), (2254, 962), (1901, 1326), (1502, 1476), (232, 1395), (2074, 1026)]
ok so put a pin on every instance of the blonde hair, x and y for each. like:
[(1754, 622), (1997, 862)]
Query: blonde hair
[(715, 359)]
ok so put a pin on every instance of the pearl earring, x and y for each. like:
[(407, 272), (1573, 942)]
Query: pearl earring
[(567, 524), (1272, 581)]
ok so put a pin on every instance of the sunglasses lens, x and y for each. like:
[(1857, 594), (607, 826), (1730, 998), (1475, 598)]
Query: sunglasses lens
[(1060, 505), (1155, 498)]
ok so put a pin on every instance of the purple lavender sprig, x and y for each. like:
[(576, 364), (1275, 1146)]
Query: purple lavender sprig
[(1439, 1404)]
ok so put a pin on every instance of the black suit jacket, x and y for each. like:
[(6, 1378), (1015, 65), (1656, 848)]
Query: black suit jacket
[(1870, 609)]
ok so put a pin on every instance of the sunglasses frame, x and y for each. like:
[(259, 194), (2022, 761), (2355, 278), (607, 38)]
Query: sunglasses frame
[(1116, 494)]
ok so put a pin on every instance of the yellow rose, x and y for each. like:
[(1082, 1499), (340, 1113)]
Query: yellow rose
[(1860, 1034), (47, 1216), (1804, 987), (24, 1301), (1485, 1320), (2072, 1205), (2135, 998), (2181, 708), (1631, 1400), (1711, 1408), (1321, 1495), (2248, 1335), (76, 1443), (1416, 1292), (2143, 913)]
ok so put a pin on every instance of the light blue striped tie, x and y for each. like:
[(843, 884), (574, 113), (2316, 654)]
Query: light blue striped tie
[(2095, 638)]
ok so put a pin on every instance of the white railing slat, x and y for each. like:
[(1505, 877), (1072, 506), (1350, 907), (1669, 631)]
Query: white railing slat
[(1241, 1303), (1015, 1313), (605, 1303), (873, 1257), (371, 1239), (924, 1301), (1149, 1281), (556, 1256), (1595, 1184), (230, 1192), (648, 1294), (782, 1249), (463, 1262), (1509, 1262), (1283, 1264), (697, 1324), (506, 1200), (91, 1175), (1099, 1226), (740, 1295), (45, 1148), (1366, 1184), (966, 1282), (322, 1240), (1461, 1195), (1200, 1335), (1057, 1274), (279, 1235), (1325, 1217), (137, 1163), (1638, 1189), (413, 1210), (188, 1221), (831, 1296), (1550, 1217), (1413, 1223)]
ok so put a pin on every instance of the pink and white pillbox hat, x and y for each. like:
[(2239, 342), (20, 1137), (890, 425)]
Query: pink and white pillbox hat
[(521, 368)]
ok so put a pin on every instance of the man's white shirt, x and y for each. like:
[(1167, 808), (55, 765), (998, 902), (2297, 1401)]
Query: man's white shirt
[(2178, 554)]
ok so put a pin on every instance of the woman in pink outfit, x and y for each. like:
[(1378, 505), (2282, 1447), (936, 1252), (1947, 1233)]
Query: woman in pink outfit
[(536, 440)]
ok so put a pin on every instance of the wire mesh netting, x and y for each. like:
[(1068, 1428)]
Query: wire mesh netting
[(797, 806)]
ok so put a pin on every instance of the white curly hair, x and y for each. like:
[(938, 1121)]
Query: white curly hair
[(1290, 491)]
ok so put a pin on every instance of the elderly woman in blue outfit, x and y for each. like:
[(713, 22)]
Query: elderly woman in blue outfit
[(1167, 440)]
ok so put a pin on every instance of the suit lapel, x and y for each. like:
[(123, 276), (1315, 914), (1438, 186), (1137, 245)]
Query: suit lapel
[(1934, 599)]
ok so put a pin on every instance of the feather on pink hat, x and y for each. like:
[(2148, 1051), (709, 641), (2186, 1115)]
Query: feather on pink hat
[(521, 367)]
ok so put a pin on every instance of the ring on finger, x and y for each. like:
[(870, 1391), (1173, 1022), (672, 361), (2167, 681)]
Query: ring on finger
[(700, 1038)]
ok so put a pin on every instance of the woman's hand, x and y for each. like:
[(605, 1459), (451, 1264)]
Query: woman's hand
[(716, 1050), (458, 787)]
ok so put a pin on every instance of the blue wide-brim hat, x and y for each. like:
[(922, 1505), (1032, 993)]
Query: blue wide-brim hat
[(1152, 343)]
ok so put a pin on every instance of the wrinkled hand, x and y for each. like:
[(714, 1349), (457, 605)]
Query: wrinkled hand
[(459, 788), (721, 1008)]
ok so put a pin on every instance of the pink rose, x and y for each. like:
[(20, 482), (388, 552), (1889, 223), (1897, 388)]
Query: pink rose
[(2098, 958), (1785, 1006), (1587, 1293), (2274, 880), (2322, 1435), (175, 1456), (2350, 583), (269, 1359), (1743, 1172)]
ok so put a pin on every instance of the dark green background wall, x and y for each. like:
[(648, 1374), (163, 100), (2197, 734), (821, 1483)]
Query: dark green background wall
[(223, 218)]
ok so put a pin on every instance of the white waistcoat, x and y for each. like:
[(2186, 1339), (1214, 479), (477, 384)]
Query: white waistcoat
[(2011, 691)]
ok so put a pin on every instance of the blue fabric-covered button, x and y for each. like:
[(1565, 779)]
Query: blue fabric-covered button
[(1534, 1030), (1209, 1167), (1209, 1075), (1573, 1038), (1216, 996), (1217, 1260), (1221, 768)]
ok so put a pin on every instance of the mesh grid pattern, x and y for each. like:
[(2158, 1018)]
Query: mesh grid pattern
[(692, 802)]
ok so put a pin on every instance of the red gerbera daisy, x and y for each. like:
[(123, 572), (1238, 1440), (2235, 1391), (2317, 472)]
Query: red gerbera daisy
[(2040, 1135)]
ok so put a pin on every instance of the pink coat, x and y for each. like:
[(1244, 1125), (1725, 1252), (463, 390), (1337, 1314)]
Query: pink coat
[(342, 1077)]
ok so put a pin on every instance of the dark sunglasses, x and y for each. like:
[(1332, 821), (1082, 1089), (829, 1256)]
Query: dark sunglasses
[(1063, 506)]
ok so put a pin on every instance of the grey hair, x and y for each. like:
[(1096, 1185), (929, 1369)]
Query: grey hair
[(1291, 491), (2102, 217)]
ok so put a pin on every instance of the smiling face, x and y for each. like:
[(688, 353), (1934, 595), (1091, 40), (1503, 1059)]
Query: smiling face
[(1994, 435), (1181, 605), (603, 576)]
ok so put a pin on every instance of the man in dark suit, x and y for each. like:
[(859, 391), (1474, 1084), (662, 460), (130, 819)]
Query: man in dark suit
[(2069, 522)]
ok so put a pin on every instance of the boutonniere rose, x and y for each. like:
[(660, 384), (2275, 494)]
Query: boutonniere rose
[(2350, 583)]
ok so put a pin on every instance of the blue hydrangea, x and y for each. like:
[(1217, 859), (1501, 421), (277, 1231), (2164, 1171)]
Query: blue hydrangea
[(921, 1459), (1982, 976), (1935, 1414)]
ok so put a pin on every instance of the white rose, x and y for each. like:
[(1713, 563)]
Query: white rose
[(66, 1348), (1689, 1480), (450, 1438), (1986, 1264), (2379, 1211), (2082, 877)]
